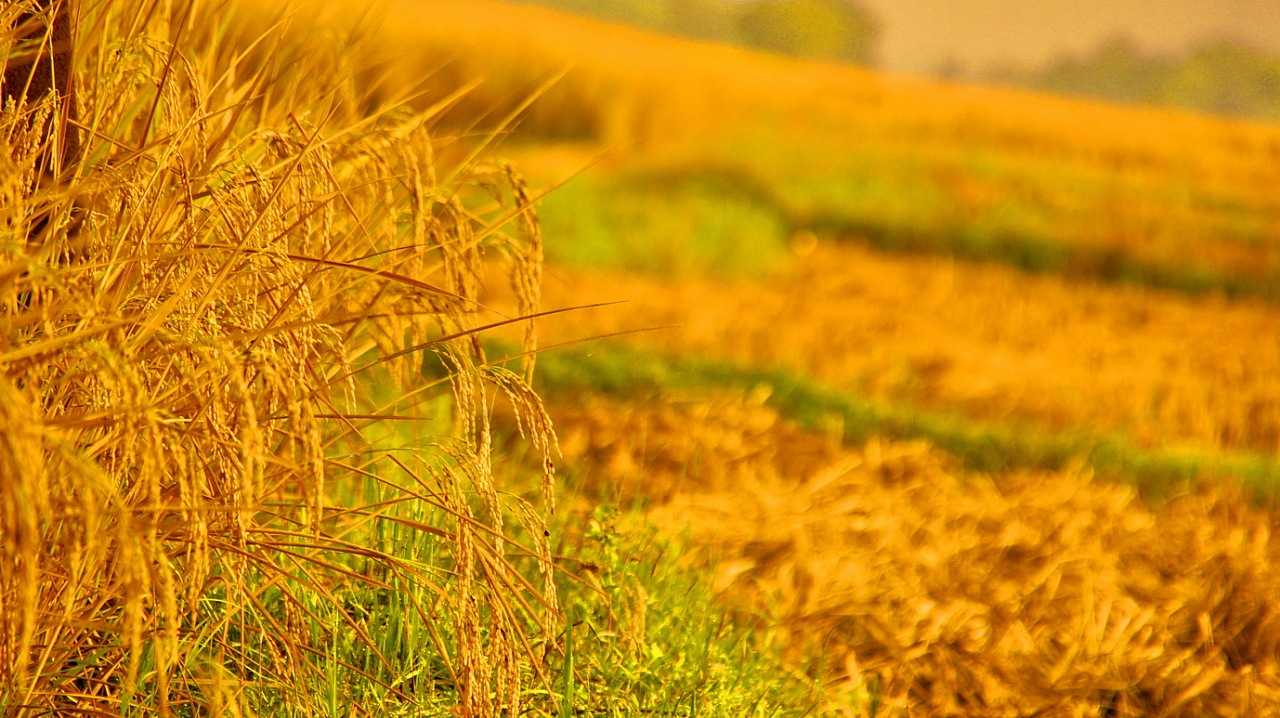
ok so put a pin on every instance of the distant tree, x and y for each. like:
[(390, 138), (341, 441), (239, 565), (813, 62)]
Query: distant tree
[(703, 19), (828, 29), (1117, 69), (951, 68), (1226, 78), (645, 13), (1220, 76)]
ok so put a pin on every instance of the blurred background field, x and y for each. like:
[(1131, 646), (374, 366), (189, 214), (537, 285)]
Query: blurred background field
[(906, 164), (917, 358), (1048, 294)]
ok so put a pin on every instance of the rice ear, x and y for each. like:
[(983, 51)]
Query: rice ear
[(192, 487)]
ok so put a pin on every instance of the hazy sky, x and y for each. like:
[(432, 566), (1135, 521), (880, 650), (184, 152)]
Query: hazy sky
[(921, 34)]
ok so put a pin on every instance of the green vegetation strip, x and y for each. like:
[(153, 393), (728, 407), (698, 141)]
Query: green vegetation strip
[(1037, 255), (727, 221), (646, 635), (980, 446)]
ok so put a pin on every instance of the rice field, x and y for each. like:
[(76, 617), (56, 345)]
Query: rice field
[(474, 359), (981, 339), (1049, 184)]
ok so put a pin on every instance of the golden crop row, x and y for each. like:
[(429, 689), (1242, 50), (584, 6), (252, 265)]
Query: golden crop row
[(987, 340), (183, 313)]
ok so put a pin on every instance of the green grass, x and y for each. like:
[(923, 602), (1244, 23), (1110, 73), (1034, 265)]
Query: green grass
[(643, 633), (981, 446), (992, 242), (729, 209), (667, 223), (649, 638)]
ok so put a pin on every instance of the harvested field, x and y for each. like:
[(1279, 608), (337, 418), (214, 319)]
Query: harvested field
[(946, 593)]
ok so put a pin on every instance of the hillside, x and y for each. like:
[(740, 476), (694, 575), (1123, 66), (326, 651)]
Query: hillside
[(1163, 198)]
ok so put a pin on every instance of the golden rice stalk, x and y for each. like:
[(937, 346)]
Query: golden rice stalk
[(184, 391)]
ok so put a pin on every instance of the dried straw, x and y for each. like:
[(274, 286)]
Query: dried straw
[(940, 593)]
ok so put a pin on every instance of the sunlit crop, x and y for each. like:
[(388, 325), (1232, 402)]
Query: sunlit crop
[(945, 593), (193, 512), (991, 342), (864, 394)]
